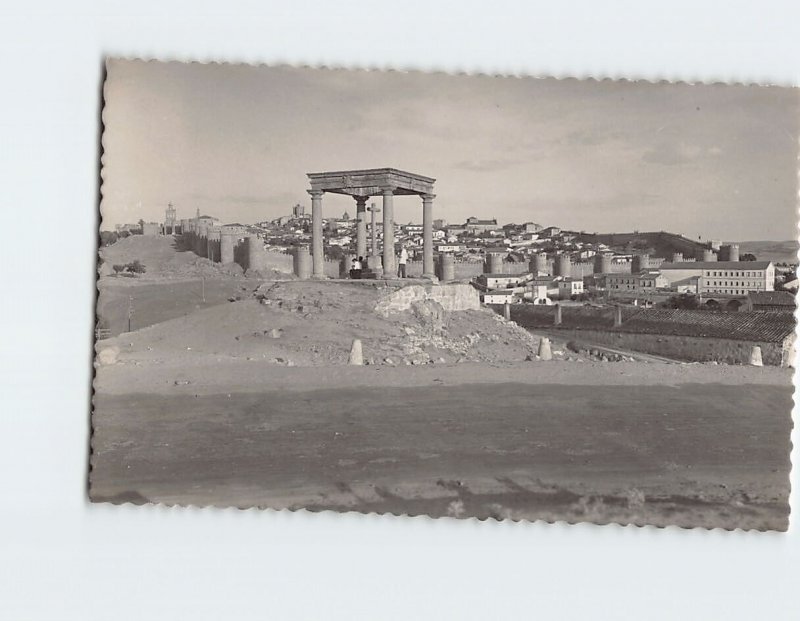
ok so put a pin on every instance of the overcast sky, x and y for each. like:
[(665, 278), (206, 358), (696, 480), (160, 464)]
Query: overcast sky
[(236, 142)]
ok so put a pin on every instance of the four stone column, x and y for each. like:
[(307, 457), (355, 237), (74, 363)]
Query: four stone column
[(427, 235), (389, 266), (317, 258), (389, 262), (361, 226)]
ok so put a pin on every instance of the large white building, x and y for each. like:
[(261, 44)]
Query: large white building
[(724, 277)]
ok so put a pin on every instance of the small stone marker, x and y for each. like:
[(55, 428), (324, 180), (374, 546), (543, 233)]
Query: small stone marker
[(108, 355), (544, 349), (356, 355), (755, 357)]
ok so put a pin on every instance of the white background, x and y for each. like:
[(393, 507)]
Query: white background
[(61, 558)]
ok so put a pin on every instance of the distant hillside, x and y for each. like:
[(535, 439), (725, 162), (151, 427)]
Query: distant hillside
[(657, 244), (775, 251)]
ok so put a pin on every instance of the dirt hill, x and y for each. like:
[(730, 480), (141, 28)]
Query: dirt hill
[(165, 258), (775, 251), (310, 323)]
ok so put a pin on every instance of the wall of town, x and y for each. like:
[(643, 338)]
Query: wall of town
[(249, 257)]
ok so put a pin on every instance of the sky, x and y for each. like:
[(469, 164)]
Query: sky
[(236, 141)]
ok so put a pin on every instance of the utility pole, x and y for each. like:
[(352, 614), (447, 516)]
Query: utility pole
[(373, 210), (130, 311)]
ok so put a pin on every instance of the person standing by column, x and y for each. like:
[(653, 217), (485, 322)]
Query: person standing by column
[(401, 264)]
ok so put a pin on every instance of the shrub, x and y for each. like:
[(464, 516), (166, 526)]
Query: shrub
[(135, 267)]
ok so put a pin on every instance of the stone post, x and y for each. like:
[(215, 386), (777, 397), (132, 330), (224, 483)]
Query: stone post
[(545, 351), (361, 226), (389, 266), (617, 316), (507, 311), (226, 244), (356, 353), (317, 257), (427, 235), (373, 210), (557, 319), (302, 263)]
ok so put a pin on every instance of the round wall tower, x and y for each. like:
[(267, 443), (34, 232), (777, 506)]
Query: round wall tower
[(563, 266)]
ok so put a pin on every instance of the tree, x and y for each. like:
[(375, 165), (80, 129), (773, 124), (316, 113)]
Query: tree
[(119, 268), (686, 301), (135, 267), (334, 252), (108, 237), (748, 256)]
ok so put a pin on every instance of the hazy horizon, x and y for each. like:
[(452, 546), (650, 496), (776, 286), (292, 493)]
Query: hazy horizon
[(236, 142)]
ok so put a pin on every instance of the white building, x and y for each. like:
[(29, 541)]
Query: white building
[(569, 287), (537, 294), (498, 296), (501, 281), (727, 277)]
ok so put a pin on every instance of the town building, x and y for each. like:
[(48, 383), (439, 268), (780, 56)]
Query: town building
[(498, 296), (537, 294), (724, 277), (475, 225), (236, 228), (151, 228), (206, 221), (550, 231), (639, 283), (569, 287), (501, 281)]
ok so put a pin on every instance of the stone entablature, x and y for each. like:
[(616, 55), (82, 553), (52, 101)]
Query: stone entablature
[(371, 182)]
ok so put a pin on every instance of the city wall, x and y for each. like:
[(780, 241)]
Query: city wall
[(248, 252), (465, 270)]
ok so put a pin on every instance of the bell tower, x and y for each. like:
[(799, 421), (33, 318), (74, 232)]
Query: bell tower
[(169, 220)]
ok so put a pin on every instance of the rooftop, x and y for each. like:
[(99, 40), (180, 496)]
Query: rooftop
[(773, 298), (719, 265)]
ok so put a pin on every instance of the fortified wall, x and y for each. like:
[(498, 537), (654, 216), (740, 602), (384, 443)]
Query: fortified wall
[(220, 246)]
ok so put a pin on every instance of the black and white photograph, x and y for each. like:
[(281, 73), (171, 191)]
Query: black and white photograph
[(464, 296)]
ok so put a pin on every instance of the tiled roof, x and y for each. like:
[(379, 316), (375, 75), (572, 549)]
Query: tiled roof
[(738, 326), (716, 265), (772, 298)]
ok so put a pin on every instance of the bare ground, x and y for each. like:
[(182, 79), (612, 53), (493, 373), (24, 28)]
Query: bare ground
[(689, 454), (249, 403)]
